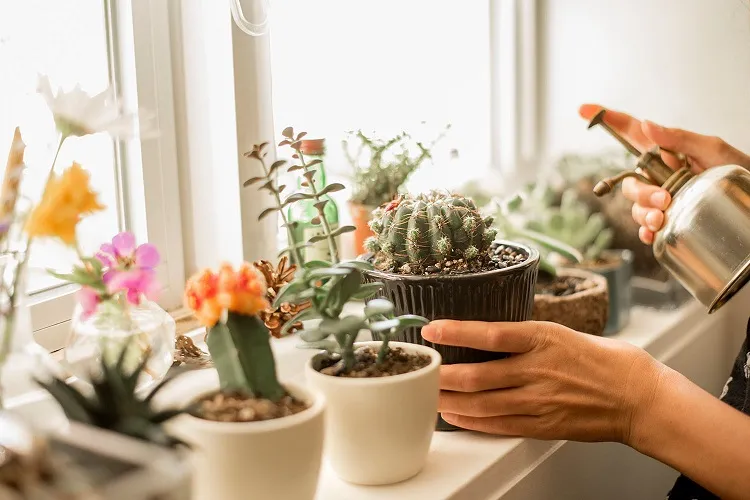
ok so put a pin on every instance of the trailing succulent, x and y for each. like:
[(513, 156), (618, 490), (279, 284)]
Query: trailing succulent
[(114, 405), (329, 286), (414, 232), (386, 172)]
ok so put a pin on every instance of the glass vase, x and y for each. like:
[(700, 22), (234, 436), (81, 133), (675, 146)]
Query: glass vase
[(145, 330)]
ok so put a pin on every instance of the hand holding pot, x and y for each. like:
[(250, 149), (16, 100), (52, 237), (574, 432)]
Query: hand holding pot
[(557, 384), (702, 152)]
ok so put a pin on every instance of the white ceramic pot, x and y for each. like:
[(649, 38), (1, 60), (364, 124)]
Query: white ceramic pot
[(271, 460), (378, 430)]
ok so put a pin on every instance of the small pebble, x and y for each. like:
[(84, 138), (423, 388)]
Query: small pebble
[(432, 269)]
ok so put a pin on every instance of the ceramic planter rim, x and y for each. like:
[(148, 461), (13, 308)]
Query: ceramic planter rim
[(599, 280), (435, 362), (533, 258), (259, 427)]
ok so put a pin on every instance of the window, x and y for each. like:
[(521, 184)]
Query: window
[(91, 44), (387, 66)]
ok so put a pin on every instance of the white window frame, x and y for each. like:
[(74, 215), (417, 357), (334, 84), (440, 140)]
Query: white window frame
[(150, 203)]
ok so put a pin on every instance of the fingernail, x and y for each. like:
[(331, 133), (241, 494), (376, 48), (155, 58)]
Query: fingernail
[(651, 221), (660, 199)]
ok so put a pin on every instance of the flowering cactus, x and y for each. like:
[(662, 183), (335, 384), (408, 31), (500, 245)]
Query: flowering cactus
[(227, 303), (428, 228)]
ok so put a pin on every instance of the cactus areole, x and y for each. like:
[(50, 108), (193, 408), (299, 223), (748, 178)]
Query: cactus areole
[(433, 233)]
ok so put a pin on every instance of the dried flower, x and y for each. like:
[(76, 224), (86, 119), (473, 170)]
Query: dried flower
[(66, 200)]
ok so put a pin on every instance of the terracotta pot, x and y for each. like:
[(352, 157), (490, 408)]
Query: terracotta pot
[(499, 295), (361, 215), (239, 460), (378, 430), (586, 311)]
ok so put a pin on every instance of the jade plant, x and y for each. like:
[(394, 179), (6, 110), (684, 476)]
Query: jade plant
[(328, 286), (389, 164), (114, 404), (415, 232)]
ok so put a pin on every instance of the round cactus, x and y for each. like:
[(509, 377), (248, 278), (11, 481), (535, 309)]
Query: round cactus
[(423, 230)]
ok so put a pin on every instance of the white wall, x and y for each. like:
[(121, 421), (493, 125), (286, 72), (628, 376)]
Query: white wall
[(684, 63)]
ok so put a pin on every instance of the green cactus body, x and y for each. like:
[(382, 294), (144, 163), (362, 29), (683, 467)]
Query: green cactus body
[(426, 229)]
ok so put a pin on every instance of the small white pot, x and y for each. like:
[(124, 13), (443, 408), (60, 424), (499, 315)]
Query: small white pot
[(378, 430), (274, 459)]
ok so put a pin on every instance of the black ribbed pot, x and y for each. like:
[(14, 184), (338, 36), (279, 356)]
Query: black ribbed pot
[(498, 295)]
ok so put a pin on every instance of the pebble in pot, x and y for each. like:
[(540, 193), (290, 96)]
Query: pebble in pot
[(244, 422)]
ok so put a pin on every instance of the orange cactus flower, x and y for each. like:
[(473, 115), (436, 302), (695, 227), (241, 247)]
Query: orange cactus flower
[(243, 292), (201, 297)]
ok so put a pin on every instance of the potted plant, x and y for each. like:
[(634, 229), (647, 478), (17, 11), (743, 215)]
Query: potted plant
[(435, 256), (389, 163), (651, 285), (243, 421), (367, 386)]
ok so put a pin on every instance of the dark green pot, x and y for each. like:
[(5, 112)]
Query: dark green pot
[(499, 295)]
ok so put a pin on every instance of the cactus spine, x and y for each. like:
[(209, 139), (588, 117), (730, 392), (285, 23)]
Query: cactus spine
[(426, 229)]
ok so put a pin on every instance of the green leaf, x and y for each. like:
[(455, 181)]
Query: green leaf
[(290, 248), (315, 221), (307, 314), (411, 320), (325, 272), (356, 264), (342, 290), (296, 197), (294, 168), (74, 404), (312, 163), (343, 230), (281, 188), (331, 188), (289, 292), (252, 180), (301, 135), (347, 324), (320, 205), (324, 345), (385, 325), (316, 264), (378, 306), (288, 132), (268, 186), (309, 175), (276, 165), (314, 335), (367, 290), (267, 211)]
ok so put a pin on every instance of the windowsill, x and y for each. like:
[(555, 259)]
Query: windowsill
[(471, 465)]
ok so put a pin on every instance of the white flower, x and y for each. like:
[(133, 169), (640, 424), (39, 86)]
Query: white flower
[(76, 113)]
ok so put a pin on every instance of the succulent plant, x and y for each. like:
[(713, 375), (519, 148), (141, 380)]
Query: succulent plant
[(326, 286), (385, 173), (114, 405), (422, 230)]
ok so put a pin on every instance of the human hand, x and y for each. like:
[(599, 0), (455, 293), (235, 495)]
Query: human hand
[(558, 383), (701, 152)]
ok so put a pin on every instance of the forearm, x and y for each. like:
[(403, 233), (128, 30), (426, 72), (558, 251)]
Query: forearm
[(697, 434)]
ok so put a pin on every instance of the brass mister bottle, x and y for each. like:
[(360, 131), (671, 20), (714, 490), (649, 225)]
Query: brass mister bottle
[(705, 241)]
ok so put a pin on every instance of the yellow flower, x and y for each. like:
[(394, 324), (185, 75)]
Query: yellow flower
[(66, 200)]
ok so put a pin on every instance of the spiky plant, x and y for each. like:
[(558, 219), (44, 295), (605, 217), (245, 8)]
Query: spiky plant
[(114, 405), (389, 164), (418, 231)]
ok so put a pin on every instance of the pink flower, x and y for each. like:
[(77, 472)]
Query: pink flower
[(123, 253), (89, 300), (129, 268), (135, 283)]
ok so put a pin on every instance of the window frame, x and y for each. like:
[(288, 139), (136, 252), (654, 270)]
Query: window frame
[(149, 201)]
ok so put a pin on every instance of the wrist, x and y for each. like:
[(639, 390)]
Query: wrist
[(646, 381), (651, 407)]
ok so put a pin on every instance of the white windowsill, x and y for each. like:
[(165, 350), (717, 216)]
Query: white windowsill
[(467, 465)]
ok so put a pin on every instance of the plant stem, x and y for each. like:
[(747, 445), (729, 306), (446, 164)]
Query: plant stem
[(383, 351), (293, 243), (326, 226)]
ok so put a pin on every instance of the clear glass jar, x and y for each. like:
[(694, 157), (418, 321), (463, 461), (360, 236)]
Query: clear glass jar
[(144, 330)]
